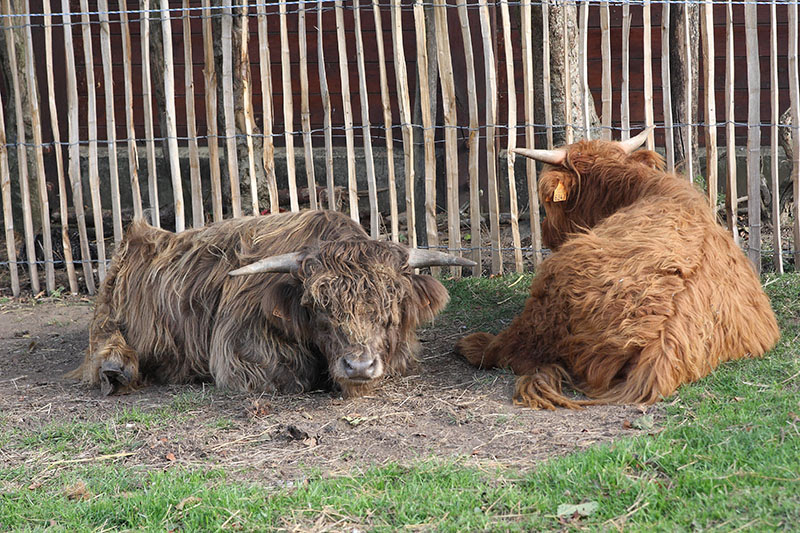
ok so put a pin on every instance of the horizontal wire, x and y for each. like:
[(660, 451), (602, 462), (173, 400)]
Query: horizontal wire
[(399, 126), (367, 5)]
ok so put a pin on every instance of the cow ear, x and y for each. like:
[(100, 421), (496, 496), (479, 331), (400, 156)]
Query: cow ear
[(555, 186), (428, 297), (282, 307)]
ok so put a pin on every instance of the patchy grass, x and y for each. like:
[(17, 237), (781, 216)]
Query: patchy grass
[(726, 456)]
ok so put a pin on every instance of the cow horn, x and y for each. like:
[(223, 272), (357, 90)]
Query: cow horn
[(425, 258), (633, 143), (284, 263), (554, 157)]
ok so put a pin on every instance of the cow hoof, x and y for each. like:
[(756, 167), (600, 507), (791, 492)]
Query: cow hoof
[(112, 378), (473, 349)]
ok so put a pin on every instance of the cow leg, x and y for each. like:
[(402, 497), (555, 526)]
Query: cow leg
[(473, 348), (110, 363)]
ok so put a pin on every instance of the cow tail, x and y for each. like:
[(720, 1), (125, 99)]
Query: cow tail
[(541, 389)]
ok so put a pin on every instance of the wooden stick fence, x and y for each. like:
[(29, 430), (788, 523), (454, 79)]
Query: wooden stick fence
[(474, 178)]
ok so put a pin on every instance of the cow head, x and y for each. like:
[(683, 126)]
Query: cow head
[(357, 302), (586, 182)]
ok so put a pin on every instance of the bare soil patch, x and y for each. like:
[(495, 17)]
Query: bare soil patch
[(444, 409)]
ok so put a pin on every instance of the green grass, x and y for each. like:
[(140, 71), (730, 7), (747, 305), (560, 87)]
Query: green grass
[(727, 456)]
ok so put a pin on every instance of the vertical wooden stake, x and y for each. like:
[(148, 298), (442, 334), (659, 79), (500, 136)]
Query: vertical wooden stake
[(404, 106), (731, 192), (605, 45), (688, 92), (8, 219), (243, 65), (91, 113), (428, 131), (74, 148), (387, 122), (111, 126), (36, 127), (472, 141), (372, 188), (305, 112), (133, 161), (326, 112), (344, 73), (265, 66), (512, 136), (288, 108), (149, 131), (22, 152), (198, 218), (584, 72), (666, 89), (228, 111), (777, 257), (569, 128), (625, 102), (794, 92), (707, 28), (548, 103), (212, 133), (491, 148), (62, 187), (172, 129), (753, 136), (648, 73)]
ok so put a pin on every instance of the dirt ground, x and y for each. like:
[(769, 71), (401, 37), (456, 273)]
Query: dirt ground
[(443, 409)]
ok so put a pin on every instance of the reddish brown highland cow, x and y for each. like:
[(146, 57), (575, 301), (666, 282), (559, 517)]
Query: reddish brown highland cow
[(644, 291), (281, 303)]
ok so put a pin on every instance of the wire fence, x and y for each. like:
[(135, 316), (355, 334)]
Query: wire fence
[(404, 114)]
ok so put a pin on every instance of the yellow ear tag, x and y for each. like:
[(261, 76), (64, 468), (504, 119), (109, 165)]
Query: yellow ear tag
[(560, 194)]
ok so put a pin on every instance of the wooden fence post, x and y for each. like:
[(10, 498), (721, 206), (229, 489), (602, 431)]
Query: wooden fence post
[(74, 148), (753, 136)]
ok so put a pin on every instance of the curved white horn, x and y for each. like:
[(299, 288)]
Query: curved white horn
[(425, 258), (554, 157), (635, 142), (284, 263)]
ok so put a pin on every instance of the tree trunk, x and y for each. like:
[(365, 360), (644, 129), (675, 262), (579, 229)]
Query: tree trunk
[(558, 68), (678, 71), (242, 94), (12, 127)]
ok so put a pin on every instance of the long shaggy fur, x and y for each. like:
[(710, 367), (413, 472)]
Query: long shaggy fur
[(644, 292), (169, 312)]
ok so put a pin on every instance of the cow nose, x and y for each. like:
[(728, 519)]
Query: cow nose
[(360, 367)]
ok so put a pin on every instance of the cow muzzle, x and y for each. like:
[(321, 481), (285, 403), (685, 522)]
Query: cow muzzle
[(364, 367)]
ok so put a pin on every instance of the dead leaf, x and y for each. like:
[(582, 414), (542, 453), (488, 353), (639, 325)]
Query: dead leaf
[(310, 442), (35, 485), (626, 424), (645, 422), (259, 408), (582, 509), (296, 433), (78, 491), (353, 420), (187, 501), (170, 456)]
